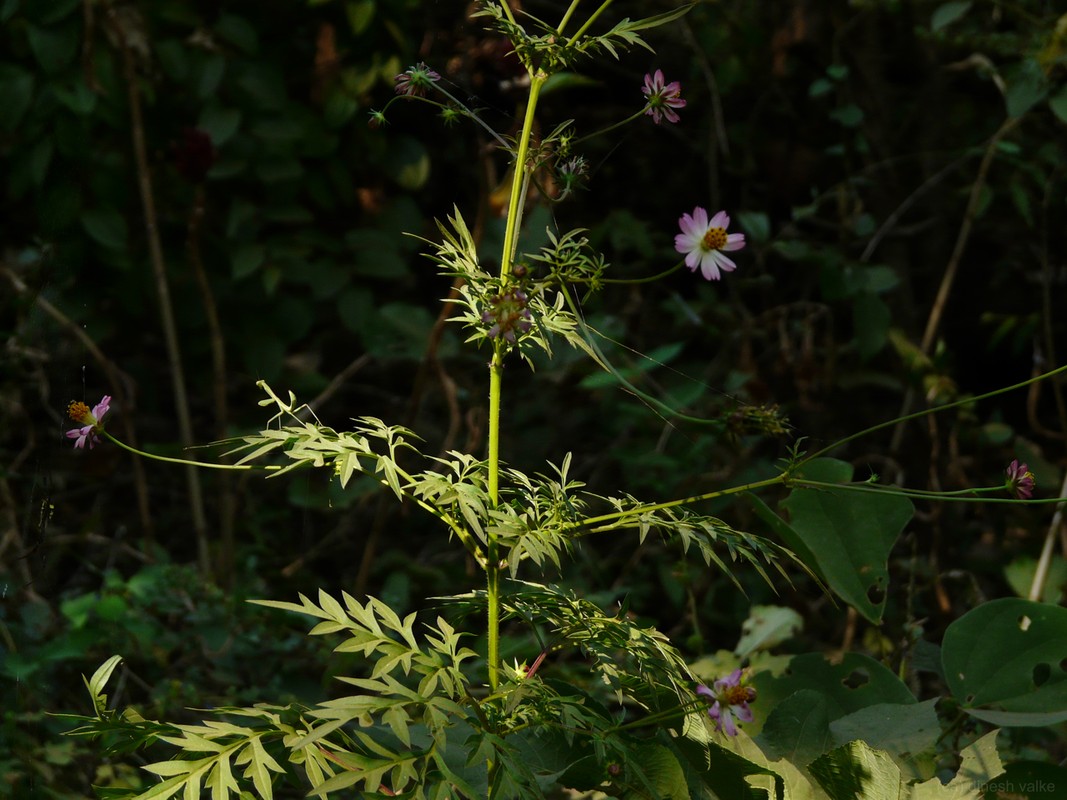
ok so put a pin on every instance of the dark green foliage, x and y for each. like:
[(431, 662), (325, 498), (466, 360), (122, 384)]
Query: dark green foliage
[(865, 149)]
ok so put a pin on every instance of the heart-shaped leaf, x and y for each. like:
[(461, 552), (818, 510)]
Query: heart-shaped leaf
[(850, 533), (1006, 662)]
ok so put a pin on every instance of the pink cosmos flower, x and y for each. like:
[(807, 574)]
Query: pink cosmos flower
[(704, 242), (91, 421), (729, 699), (414, 81), (1020, 480), (662, 99)]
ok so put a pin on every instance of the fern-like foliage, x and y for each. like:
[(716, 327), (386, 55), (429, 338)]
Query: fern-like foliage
[(396, 735), (456, 257), (706, 533), (549, 51)]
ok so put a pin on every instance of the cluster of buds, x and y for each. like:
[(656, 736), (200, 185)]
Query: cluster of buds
[(506, 314), (571, 174), (767, 420)]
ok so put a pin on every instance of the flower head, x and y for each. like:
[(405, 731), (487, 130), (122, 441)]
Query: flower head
[(414, 81), (571, 174), (91, 421), (704, 241), (1020, 480), (729, 699), (507, 313), (662, 98)]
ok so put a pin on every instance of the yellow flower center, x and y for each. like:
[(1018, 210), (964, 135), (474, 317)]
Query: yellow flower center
[(736, 695), (79, 412), (715, 239)]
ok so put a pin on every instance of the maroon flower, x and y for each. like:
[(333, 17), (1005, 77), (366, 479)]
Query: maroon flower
[(194, 155), (1020, 481), (414, 81), (662, 98)]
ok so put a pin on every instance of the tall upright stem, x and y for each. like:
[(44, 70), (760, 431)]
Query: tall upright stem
[(492, 571), (496, 366)]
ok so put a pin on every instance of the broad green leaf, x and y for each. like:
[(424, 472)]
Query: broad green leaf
[(239, 32), (360, 13), (219, 123), (16, 87), (870, 321), (1027, 85), (756, 224), (947, 13), (407, 163), (850, 533), (247, 260), (879, 279), (767, 627), (980, 764), (1020, 574), (106, 226), (902, 729), (54, 48), (797, 729), (661, 769), (857, 771), (722, 763), (848, 685), (1058, 104), (1004, 661)]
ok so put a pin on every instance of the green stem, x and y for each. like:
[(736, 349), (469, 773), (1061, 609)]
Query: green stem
[(656, 277), (492, 567), (468, 112), (461, 533), (606, 365), (610, 128), (496, 366), (603, 7), (638, 510), (928, 411), (567, 16), (507, 12), (518, 181), (169, 460), (959, 496)]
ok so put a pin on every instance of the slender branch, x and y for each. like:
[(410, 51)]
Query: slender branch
[(461, 533), (618, 516), (610, 128), (961, 496), (589, 22), (1044, 562), (227, 497), (933, 410), (933, 322), (567, 16), (159, 270)]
